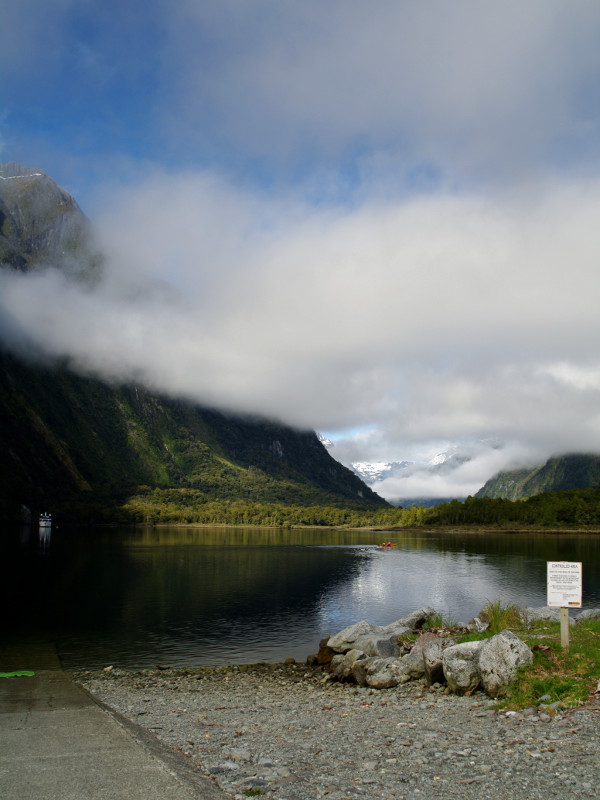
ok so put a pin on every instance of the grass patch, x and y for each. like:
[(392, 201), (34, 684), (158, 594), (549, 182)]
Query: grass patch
[(502, 617), (254, 791), (438, 621), (557, 675), (566, 676)]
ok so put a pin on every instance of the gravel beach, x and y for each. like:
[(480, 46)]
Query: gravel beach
[(288, 732)]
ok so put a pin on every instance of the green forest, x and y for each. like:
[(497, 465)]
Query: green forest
[(574, 509)]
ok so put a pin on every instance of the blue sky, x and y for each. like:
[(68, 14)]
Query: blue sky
[(374, 219)]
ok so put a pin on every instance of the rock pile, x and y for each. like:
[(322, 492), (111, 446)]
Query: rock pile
[(379, 657)]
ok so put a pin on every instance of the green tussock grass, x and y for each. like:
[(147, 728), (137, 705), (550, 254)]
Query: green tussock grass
[(439, 621), (502, 617), (568, 675)]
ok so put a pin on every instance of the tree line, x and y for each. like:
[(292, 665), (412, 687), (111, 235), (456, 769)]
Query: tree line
[(564, 509)]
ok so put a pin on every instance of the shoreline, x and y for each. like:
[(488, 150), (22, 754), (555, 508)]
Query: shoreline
[(335, 528), (288, 731)]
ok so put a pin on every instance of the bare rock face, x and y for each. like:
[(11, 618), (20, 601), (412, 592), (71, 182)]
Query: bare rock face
[(461, 668), (499, 659), (41, 225)]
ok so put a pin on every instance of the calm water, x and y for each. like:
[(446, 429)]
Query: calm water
[(211, 596)]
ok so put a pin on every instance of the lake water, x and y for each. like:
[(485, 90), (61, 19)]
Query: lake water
[(212, 596)]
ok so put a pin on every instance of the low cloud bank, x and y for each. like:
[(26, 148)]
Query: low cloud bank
[(441, 318)]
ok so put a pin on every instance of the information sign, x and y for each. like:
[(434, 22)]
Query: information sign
[(565, 584)]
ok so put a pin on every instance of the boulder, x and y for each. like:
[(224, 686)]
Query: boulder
[(325, 653), (589, 613), (342, 664), (413, 663), (529, 615), (432, 658), (378, 673), (499, 659), (378, 640), (385, 676), (460, 666)]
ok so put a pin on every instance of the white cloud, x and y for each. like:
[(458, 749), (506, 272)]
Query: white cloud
[(433, 277), (443, 318), (475, 88)]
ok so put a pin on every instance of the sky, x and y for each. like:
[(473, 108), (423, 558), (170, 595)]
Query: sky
[(376, 220)]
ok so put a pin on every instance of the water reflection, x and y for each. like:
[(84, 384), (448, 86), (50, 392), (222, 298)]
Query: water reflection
[(44, 535), (185, 596)]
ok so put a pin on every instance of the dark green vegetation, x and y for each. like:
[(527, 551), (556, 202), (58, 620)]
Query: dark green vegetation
[(567, 676), (576, 471), (552, 510), (577, 509), (87, 450)]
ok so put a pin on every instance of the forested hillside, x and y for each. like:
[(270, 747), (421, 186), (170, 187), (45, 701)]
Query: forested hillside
[(85, 449), (561, 473), (82, 448)]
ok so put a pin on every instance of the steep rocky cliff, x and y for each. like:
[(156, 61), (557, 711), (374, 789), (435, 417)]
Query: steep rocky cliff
[(81, 446), (41, 225)]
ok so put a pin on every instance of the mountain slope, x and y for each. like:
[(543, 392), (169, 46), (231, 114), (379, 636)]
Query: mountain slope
[(75, 443), (575, 471), (79, 446), (40, 224)]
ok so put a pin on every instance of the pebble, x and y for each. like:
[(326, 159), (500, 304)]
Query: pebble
[(287, 732)]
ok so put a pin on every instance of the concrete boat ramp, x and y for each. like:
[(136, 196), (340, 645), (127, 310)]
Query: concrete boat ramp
[(58, 743)]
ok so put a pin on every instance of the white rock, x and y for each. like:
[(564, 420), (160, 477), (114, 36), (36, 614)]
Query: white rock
[(460, 666), (499, 659)]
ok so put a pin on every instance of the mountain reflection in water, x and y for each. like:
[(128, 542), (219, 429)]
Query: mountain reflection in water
[(211, 596)]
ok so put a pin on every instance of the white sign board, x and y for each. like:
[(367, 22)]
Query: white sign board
[(565, 584)]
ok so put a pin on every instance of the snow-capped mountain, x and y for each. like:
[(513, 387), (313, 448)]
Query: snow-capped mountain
[(325, 441), (425, 481), (375, 471), (379, 470)]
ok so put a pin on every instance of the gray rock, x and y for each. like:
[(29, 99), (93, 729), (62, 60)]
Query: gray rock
[(425, 658), (413, 661), (378, 640), (589, 613), (460, 666), (479, 623), (529, 615), (341, 665), (237, 754), (432, 658), (499, 659), (359, 669), (378, 673)]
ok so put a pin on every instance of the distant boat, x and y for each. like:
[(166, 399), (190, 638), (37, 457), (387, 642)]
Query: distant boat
[(45, 520)]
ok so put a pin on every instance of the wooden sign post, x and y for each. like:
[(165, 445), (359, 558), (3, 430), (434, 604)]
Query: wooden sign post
[(565, 587)]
